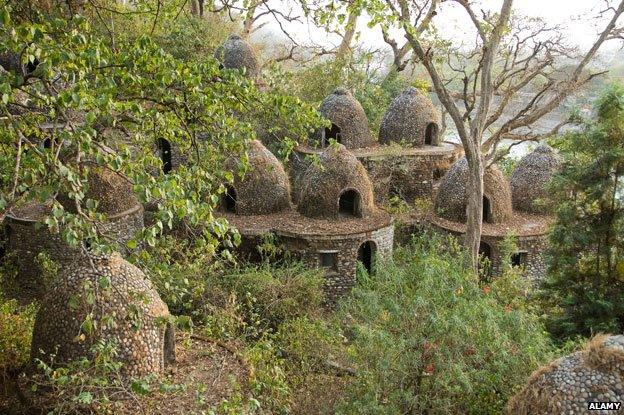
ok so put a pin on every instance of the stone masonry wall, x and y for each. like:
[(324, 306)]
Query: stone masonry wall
[(410, 176), (341, 278), (534, 246), (25, 241)]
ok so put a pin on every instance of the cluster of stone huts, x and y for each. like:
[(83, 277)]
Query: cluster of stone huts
[(326, 212)]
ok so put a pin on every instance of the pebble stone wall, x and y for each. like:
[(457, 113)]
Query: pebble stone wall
[(569, 384), (406, 174), (341, 279), (143, 340), (26, 239), (533, 246), (409, 176)]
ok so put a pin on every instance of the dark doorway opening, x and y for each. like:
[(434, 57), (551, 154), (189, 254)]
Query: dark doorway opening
[(485, 250), (438, 173), (366, 253), (229, 199), (169, 344), (329, 260), (31, 66), (487, 210), (485, 263), (332, 133), (47, 143), (5, 241), (349, 203), (519, 259), (165, 154), (431, 134)]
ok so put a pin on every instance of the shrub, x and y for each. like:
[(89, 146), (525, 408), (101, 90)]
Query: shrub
[(256, 300), (16, 325), (428, 338)]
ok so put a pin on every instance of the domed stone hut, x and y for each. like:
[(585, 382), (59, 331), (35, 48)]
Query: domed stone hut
[(451, 200), (570, 384), (138, 324), (335, 225), (410, 156), (264, 188), (349, 125), (236, 53), (411, 118), (337, 186), (530, 177), (499, 220), (26, 237)]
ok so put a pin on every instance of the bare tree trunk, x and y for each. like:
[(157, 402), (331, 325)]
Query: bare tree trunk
[(195, 8), (347, 38), (474, 207), (249, 21)]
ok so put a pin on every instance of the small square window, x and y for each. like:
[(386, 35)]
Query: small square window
[(329, 260), (519, 259)]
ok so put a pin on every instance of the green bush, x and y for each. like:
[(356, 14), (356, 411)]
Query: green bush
[(16, 324), (427, 337), (254, 301)]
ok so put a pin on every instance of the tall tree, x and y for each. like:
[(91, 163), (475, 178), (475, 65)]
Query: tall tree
[(586, 288), (509, 62), (66, 84)]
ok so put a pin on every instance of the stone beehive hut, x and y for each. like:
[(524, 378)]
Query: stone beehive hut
[(26, 238), (452, 197), (264, 187), (335, 225), (530, 178), (499, 220), (569, 384), (400, 164), (110, 189), (127, 310), (338, 184), (236, 53), (411, 118), (349, 125)]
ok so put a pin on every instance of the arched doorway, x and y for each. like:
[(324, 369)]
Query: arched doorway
[(32, 66), (487, 210), (431, 134), (229, 199), (366, 254), (332, 133), (485, 250), (169, 344), (485, 255), (349, 203), (5, 241), (165, 154)]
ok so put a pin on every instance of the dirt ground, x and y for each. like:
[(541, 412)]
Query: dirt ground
[(204, 374)]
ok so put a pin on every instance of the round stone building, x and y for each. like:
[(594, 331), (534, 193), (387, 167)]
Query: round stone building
[(236, 53), (530, 177), (26, 236), (500, 219), (569, 385), (127, 312), (335, 225), (410, 155)]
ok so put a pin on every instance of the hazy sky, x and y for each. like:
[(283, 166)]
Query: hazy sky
[(577, 16)]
